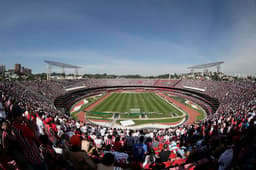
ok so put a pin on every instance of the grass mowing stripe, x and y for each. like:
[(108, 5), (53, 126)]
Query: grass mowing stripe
[(132, 101), (114, 104), (142, 103), (147, 102), (122, 104), (174, 109), (136, 101), (182, 100), (157, 104), (158, 107), (90, 100), (166, 106), (110, 100), (146, 105), (125, 105), (104, 103), (169, 107), (129, 101), (151, 103)]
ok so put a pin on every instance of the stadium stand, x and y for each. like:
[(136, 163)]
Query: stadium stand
[(35, 135)]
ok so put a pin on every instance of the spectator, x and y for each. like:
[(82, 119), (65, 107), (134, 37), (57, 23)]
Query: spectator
[(155, 144), (225, 159), (197, 143), (117, 144), (139, 150), (164, 154), (25, 136), (130, 141), (78, 158), (47, 152), (2, 111), (107, 163), (150, 158)]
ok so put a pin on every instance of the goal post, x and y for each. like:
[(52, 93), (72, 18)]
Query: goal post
[(135, 110)]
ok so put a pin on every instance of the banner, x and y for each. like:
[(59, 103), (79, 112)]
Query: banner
[(127, 122)]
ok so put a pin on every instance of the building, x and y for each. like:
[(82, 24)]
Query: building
[(26, 70), (2, 70), (17, 68)]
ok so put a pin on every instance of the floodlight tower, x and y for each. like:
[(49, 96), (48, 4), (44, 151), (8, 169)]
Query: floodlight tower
[(63, 71), (206, 66), (76, 73), (49, 72), (62, 65), (218, 68)]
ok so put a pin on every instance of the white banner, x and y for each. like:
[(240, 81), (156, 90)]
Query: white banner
[(127, 122)]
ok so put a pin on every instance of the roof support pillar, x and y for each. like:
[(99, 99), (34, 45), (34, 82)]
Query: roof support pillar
[(49, 72)]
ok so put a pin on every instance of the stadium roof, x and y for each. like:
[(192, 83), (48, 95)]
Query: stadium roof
[(58, 64), (202, 66)]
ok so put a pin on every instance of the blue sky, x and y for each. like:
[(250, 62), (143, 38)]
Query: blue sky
[(147, 37)]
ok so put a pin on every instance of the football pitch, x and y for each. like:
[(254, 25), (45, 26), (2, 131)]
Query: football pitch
[(148, 103)]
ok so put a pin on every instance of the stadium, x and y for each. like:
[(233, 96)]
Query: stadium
[(144, 103), (149, 104), (162, 110), (128, 85)]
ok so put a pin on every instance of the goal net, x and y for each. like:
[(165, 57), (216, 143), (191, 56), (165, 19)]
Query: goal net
[(135, 110)]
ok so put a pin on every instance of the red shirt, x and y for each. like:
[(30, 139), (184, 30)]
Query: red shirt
[(24, 136), (117, 146), (54, 127)]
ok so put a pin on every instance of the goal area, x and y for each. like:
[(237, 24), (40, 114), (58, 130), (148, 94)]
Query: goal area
[(135, 110)]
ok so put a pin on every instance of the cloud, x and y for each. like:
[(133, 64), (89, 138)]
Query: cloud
[(242, 60), (118, 50), (21, 13), (241, 57), (133, 67)]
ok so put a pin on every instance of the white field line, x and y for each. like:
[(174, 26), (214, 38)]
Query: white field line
[(144, 126), (184, 113)]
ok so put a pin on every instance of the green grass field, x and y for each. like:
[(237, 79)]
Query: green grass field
[(90, 100), (140, 122), (182, 100), (129, 116), (147, 102)]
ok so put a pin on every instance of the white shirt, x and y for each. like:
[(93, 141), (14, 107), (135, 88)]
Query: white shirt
[(120, 157), (40, 125), (77, 125), (102, 132), (98, 143), (178, 132), (173, 146), (83, 129), (183, 131), (166, 138), (93, 137), (2, 111)]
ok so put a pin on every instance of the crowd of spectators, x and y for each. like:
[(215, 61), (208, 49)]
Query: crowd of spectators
[(50, 89), (232, 95), (89, 83), (35, 135)]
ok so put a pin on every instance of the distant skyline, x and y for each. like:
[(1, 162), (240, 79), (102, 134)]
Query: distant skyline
[(147, 37)]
